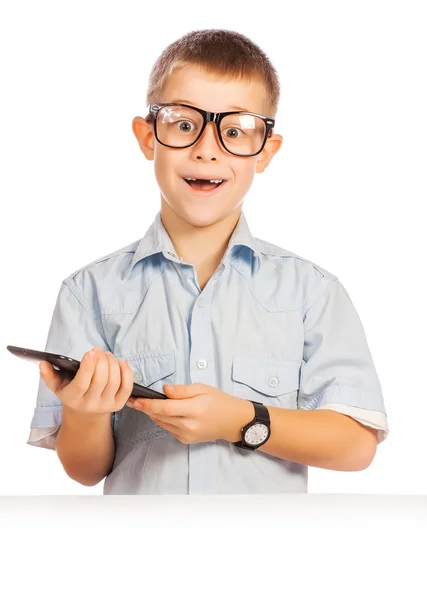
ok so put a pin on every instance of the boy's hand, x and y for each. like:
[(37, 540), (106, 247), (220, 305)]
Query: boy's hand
[(197, 413), (101, 385)]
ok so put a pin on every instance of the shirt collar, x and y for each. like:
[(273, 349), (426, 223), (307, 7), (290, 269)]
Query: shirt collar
[(157, 240)]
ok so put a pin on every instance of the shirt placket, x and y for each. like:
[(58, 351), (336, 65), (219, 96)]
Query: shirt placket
[(202, 457)]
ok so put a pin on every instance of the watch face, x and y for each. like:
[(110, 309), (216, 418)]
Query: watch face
[(256, 434)]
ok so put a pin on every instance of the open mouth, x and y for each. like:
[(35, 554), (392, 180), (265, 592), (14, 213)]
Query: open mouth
[(204, 185)]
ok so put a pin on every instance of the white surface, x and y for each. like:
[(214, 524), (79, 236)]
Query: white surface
[(295, 545)]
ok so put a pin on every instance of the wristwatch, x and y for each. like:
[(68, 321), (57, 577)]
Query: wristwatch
[(257, 432)]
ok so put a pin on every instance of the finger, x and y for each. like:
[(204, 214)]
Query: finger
[(114, 377), (100, 376), (138, 404), (168, 426), (50, 376), (166, 408), (189, 390), (82, 380), (125, 389)]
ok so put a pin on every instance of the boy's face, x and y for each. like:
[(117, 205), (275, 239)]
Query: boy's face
[(207, 158)]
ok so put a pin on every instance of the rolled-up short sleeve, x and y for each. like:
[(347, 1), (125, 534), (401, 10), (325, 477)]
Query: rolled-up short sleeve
[(337, 371), (74, 330)]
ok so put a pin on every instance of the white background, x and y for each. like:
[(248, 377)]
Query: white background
[(347, 191)]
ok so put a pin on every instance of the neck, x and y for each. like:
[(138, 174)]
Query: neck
[(199, 245)]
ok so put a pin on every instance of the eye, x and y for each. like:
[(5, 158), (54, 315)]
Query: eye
[(233, 132), (185, 126)]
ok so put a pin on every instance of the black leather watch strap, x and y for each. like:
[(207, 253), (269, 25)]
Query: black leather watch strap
[(261, 412), (261, 416)]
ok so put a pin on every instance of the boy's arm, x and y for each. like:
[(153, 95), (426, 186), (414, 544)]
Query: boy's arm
[(316, 438), (337, 368), (85, 446)]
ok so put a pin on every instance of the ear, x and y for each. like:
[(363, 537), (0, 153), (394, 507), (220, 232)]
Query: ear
[(144, 134), (272, 145)]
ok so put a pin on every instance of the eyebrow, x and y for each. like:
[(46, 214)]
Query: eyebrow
[(232, 107)]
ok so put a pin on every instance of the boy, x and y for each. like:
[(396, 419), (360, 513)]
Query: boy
[(270, 359)]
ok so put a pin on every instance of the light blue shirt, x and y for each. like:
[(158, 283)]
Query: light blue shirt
[(269, 326)]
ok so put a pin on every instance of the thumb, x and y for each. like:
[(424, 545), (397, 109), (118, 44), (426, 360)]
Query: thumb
[(184, 391), (50, 376)]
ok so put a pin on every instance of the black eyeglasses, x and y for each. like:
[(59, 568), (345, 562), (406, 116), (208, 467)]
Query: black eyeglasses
[(181, 125)]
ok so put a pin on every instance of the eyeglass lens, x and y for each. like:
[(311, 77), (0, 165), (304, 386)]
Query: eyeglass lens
[(179, 126)]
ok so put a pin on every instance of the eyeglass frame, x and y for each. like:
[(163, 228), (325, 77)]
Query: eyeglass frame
[(215, 117)]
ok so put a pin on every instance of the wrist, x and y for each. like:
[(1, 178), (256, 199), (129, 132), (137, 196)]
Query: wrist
[(77, 418), (241, 414)]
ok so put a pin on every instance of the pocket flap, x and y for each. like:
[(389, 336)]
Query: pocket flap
[(149, 368), (270, 376)]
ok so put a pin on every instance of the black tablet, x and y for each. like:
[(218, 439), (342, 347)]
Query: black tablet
[(69, 367)]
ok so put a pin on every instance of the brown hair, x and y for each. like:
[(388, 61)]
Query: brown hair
[(218, 52)]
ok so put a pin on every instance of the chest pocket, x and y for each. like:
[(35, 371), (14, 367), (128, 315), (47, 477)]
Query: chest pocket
[(271, 381), (132, 427), (152, 370)]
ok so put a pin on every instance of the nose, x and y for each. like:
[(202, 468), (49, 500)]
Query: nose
[(208, 146)]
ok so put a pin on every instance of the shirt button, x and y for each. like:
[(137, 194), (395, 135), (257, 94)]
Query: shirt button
[(137, 377), (273, 381), (201, 301), (171, 254), (202, 363)]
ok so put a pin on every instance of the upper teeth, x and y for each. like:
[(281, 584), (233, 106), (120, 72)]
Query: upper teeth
[(210, 180)]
